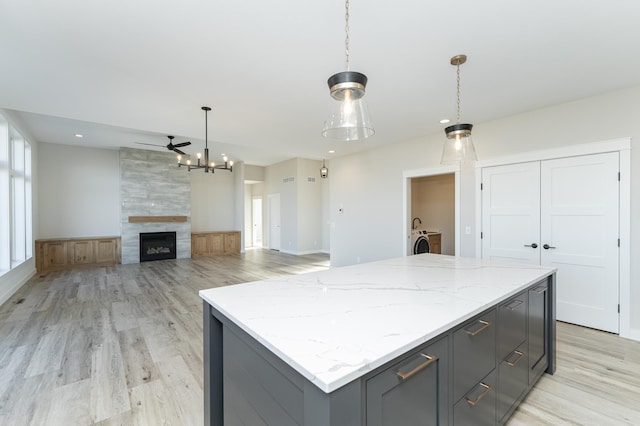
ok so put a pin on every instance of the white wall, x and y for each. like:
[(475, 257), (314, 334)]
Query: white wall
[(288, 203), (309, 206), (213, 201), (372, 195), (79, 192)]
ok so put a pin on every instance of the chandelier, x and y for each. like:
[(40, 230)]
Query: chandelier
[(206, 165)]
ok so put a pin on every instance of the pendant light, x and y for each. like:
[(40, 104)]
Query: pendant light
[(459, 145), (206, 166), (324, 172), (348, 114)]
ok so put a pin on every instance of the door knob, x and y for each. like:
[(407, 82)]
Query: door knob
[(534, 245), (547, 247)]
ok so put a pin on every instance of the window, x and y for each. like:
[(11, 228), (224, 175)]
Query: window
[(15, 198)]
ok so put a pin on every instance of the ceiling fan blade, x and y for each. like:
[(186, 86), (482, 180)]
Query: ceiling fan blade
[(150, 144), (181, 144), (178, 151)]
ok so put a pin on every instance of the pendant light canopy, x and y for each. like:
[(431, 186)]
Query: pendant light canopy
[(348, 113), (459, 146)]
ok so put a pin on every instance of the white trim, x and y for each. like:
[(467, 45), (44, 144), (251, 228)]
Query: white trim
[(625, 247), (17, 284), (623, 146), (407, 175), (560, 152)]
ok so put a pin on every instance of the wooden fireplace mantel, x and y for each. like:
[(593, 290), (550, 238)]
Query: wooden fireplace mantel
[(146, 219)]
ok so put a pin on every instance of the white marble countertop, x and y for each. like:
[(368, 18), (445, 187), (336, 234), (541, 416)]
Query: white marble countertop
[(336, 325)]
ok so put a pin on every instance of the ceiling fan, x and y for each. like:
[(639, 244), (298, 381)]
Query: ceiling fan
[(171, 146)]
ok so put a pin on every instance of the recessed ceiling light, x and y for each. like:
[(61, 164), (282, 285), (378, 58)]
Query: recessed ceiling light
[(78, 135), (331, 151), (444, 121)]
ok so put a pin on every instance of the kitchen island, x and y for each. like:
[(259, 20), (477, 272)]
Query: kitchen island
[(426, 339)]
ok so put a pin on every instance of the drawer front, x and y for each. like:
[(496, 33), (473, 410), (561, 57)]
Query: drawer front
[(512, 379), (474, 353), (512, 324), (478, 406)]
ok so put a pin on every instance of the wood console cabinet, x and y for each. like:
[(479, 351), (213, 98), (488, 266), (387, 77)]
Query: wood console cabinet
[(57, 254), (214, 243)]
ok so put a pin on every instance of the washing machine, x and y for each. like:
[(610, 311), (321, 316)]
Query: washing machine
[(420, 241)]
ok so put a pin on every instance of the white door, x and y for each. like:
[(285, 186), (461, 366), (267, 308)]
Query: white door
[(573, 226), (274, 221), (511, 213), (579, 236), (256, 217)]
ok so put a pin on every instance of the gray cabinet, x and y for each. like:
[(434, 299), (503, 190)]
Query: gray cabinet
[(478, 406), (413, 391), (538, 329), (475, 373), (474, 363)]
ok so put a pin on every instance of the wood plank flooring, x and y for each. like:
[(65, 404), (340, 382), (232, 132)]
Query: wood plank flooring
[(122, 345)]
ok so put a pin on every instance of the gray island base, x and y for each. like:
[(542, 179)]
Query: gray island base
[(479, 349)]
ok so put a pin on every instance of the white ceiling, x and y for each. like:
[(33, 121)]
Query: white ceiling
[(125, 71)]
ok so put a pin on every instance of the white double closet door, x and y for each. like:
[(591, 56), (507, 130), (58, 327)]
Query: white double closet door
[(562, 213)]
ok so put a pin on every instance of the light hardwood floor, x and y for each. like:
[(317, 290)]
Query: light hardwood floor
[(122, 345)]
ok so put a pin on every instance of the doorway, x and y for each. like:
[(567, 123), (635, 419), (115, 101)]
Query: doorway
[(433, 197)]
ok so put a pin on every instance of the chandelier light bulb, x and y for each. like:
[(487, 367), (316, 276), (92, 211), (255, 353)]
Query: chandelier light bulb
[(198, 155), (188, 162)]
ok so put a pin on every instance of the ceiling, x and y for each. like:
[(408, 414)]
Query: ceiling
[(121, 72)]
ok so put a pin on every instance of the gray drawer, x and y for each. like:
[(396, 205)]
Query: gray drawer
[(478, 406), (513, 373), (512, 324), (474, 352)]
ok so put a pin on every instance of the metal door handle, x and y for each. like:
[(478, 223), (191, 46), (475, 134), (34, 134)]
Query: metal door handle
[(472, 331), (473, 402), (547, 247), (533, 245)]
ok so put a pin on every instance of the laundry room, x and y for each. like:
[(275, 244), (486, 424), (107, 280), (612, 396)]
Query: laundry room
[(433, 214)]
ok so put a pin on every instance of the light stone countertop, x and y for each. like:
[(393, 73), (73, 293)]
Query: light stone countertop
[(336, 325)]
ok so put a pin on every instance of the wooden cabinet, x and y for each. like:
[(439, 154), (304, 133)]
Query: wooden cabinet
[(411, 391), (435, 243), (69, 253), (215, 243)]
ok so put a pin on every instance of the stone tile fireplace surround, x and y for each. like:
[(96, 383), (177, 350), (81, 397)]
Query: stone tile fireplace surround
[(152, 185)]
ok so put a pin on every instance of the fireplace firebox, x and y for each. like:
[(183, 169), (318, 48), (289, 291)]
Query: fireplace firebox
[(157, 246)]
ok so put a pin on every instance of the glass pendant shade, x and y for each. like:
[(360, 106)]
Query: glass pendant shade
[(349, 117), (459, 146)]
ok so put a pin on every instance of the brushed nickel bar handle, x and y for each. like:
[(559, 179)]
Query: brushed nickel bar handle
[(430, 359), (484, 323), (517, 360), (473, 402), (511, 306), (540, 289)]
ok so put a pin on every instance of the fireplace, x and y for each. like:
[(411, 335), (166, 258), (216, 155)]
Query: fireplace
[(157, 246)]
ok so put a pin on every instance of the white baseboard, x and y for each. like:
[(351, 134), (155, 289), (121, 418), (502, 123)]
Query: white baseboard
[(631, 333)]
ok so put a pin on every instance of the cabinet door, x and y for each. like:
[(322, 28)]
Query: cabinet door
[(55, 254), (538, 325), (199, 244), (232, 242), (106, 251), (411, 392), (81, 252)]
